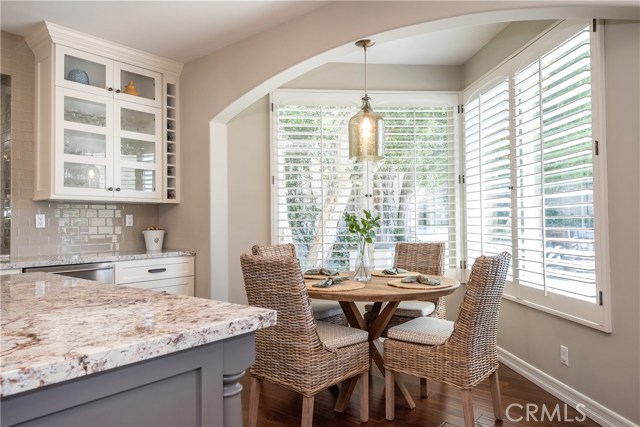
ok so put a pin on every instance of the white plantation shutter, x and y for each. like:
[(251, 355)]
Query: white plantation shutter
[(488, 172), (555, 173), (547, 220), (315, 183), (414, 188)]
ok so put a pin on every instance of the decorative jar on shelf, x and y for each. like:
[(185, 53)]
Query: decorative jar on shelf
[(78, 76), (153, 240)]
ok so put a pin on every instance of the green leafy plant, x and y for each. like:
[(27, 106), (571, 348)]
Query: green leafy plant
[(363, 228)]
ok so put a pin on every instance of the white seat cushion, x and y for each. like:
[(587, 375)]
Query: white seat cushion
[(325, 309), (422, 330), (336, 336), (411, 308)]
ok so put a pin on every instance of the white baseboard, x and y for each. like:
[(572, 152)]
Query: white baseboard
[(594, 410)]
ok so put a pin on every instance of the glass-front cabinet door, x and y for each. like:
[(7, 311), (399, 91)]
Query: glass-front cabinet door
[(95, 74), (84, 71), (138, 161), (82, 145), (135, 84)]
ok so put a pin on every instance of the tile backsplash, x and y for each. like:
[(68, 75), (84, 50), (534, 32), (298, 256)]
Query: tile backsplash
[(70, 226), (81, 227)]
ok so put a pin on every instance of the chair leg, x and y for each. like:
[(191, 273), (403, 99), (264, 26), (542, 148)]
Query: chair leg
[(346, 390), (389, 395), (467, 408), (364, 397), (495, 396), (307, 411), (423, 388), (254, 400)]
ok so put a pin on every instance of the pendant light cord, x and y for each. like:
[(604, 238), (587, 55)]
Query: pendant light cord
[(365, 70)]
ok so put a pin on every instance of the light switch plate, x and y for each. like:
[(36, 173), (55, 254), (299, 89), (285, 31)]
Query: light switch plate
[(128, 220), (41, 221)]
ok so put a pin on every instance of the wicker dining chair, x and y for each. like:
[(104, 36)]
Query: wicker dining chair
[(299, 353), (461, 353), (327, 311), (425, 258)]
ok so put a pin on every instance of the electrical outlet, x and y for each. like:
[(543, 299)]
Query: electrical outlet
[(41, 221), (564, 355), (128, 220)]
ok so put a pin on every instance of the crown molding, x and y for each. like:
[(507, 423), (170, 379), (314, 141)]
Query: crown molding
[(48, 32)]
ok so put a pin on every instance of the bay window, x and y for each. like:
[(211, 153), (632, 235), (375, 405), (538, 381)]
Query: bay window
[(534, 170)]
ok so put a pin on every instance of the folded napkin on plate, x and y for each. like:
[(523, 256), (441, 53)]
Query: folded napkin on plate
[(322, 272), (330, 281), (425, 280), (394, 270)]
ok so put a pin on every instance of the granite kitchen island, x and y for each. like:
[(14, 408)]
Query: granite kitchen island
[(78, 353)]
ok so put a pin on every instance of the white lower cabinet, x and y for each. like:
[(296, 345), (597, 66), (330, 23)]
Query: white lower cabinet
[(173, 275)]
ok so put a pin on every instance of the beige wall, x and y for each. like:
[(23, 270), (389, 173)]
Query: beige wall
[(217, 87), (71, 227), (503, 45)]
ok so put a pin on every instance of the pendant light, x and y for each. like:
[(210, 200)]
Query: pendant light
[(366, 128)]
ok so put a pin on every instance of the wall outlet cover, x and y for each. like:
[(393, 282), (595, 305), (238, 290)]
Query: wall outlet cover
[(128, 220), (564, 355), (41, 221)]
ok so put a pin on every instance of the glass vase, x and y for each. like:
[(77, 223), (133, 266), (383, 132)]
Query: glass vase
[(363, 269)]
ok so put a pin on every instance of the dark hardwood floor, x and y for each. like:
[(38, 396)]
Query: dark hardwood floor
[(282, 408)]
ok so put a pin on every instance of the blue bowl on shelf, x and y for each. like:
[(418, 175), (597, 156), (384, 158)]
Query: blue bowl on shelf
[(78, 76)]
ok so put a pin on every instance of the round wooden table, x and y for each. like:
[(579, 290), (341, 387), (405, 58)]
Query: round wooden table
[(379, 292)]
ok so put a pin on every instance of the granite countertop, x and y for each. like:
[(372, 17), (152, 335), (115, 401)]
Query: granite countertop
[(83, 258), (56, 328)]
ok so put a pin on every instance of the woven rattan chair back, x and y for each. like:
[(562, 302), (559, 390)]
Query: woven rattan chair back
[(284, 249), (277, 283), (426, 258), (288, 249), (475, 331), (423, 257)]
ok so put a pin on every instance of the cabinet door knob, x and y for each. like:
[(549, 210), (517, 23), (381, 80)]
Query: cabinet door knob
[(118, 91), (117, 188), (110, 89)]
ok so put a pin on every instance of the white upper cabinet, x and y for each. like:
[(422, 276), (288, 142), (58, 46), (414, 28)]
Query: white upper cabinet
[(106, 120), (91, 73)]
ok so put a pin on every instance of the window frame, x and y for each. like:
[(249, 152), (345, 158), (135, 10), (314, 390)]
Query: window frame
[(380, 99), (596, 316)]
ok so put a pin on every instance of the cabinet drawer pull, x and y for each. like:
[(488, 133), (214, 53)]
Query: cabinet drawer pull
[(110, 189), (157, 270), (117, 90), (110, 89)]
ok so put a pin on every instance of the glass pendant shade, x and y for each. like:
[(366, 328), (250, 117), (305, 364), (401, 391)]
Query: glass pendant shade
[(366, 134)]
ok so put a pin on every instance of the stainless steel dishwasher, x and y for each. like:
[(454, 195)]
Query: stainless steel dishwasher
[(99, 271)]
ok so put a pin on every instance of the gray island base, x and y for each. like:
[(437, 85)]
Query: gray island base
[(77, 353), (195, 387)]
